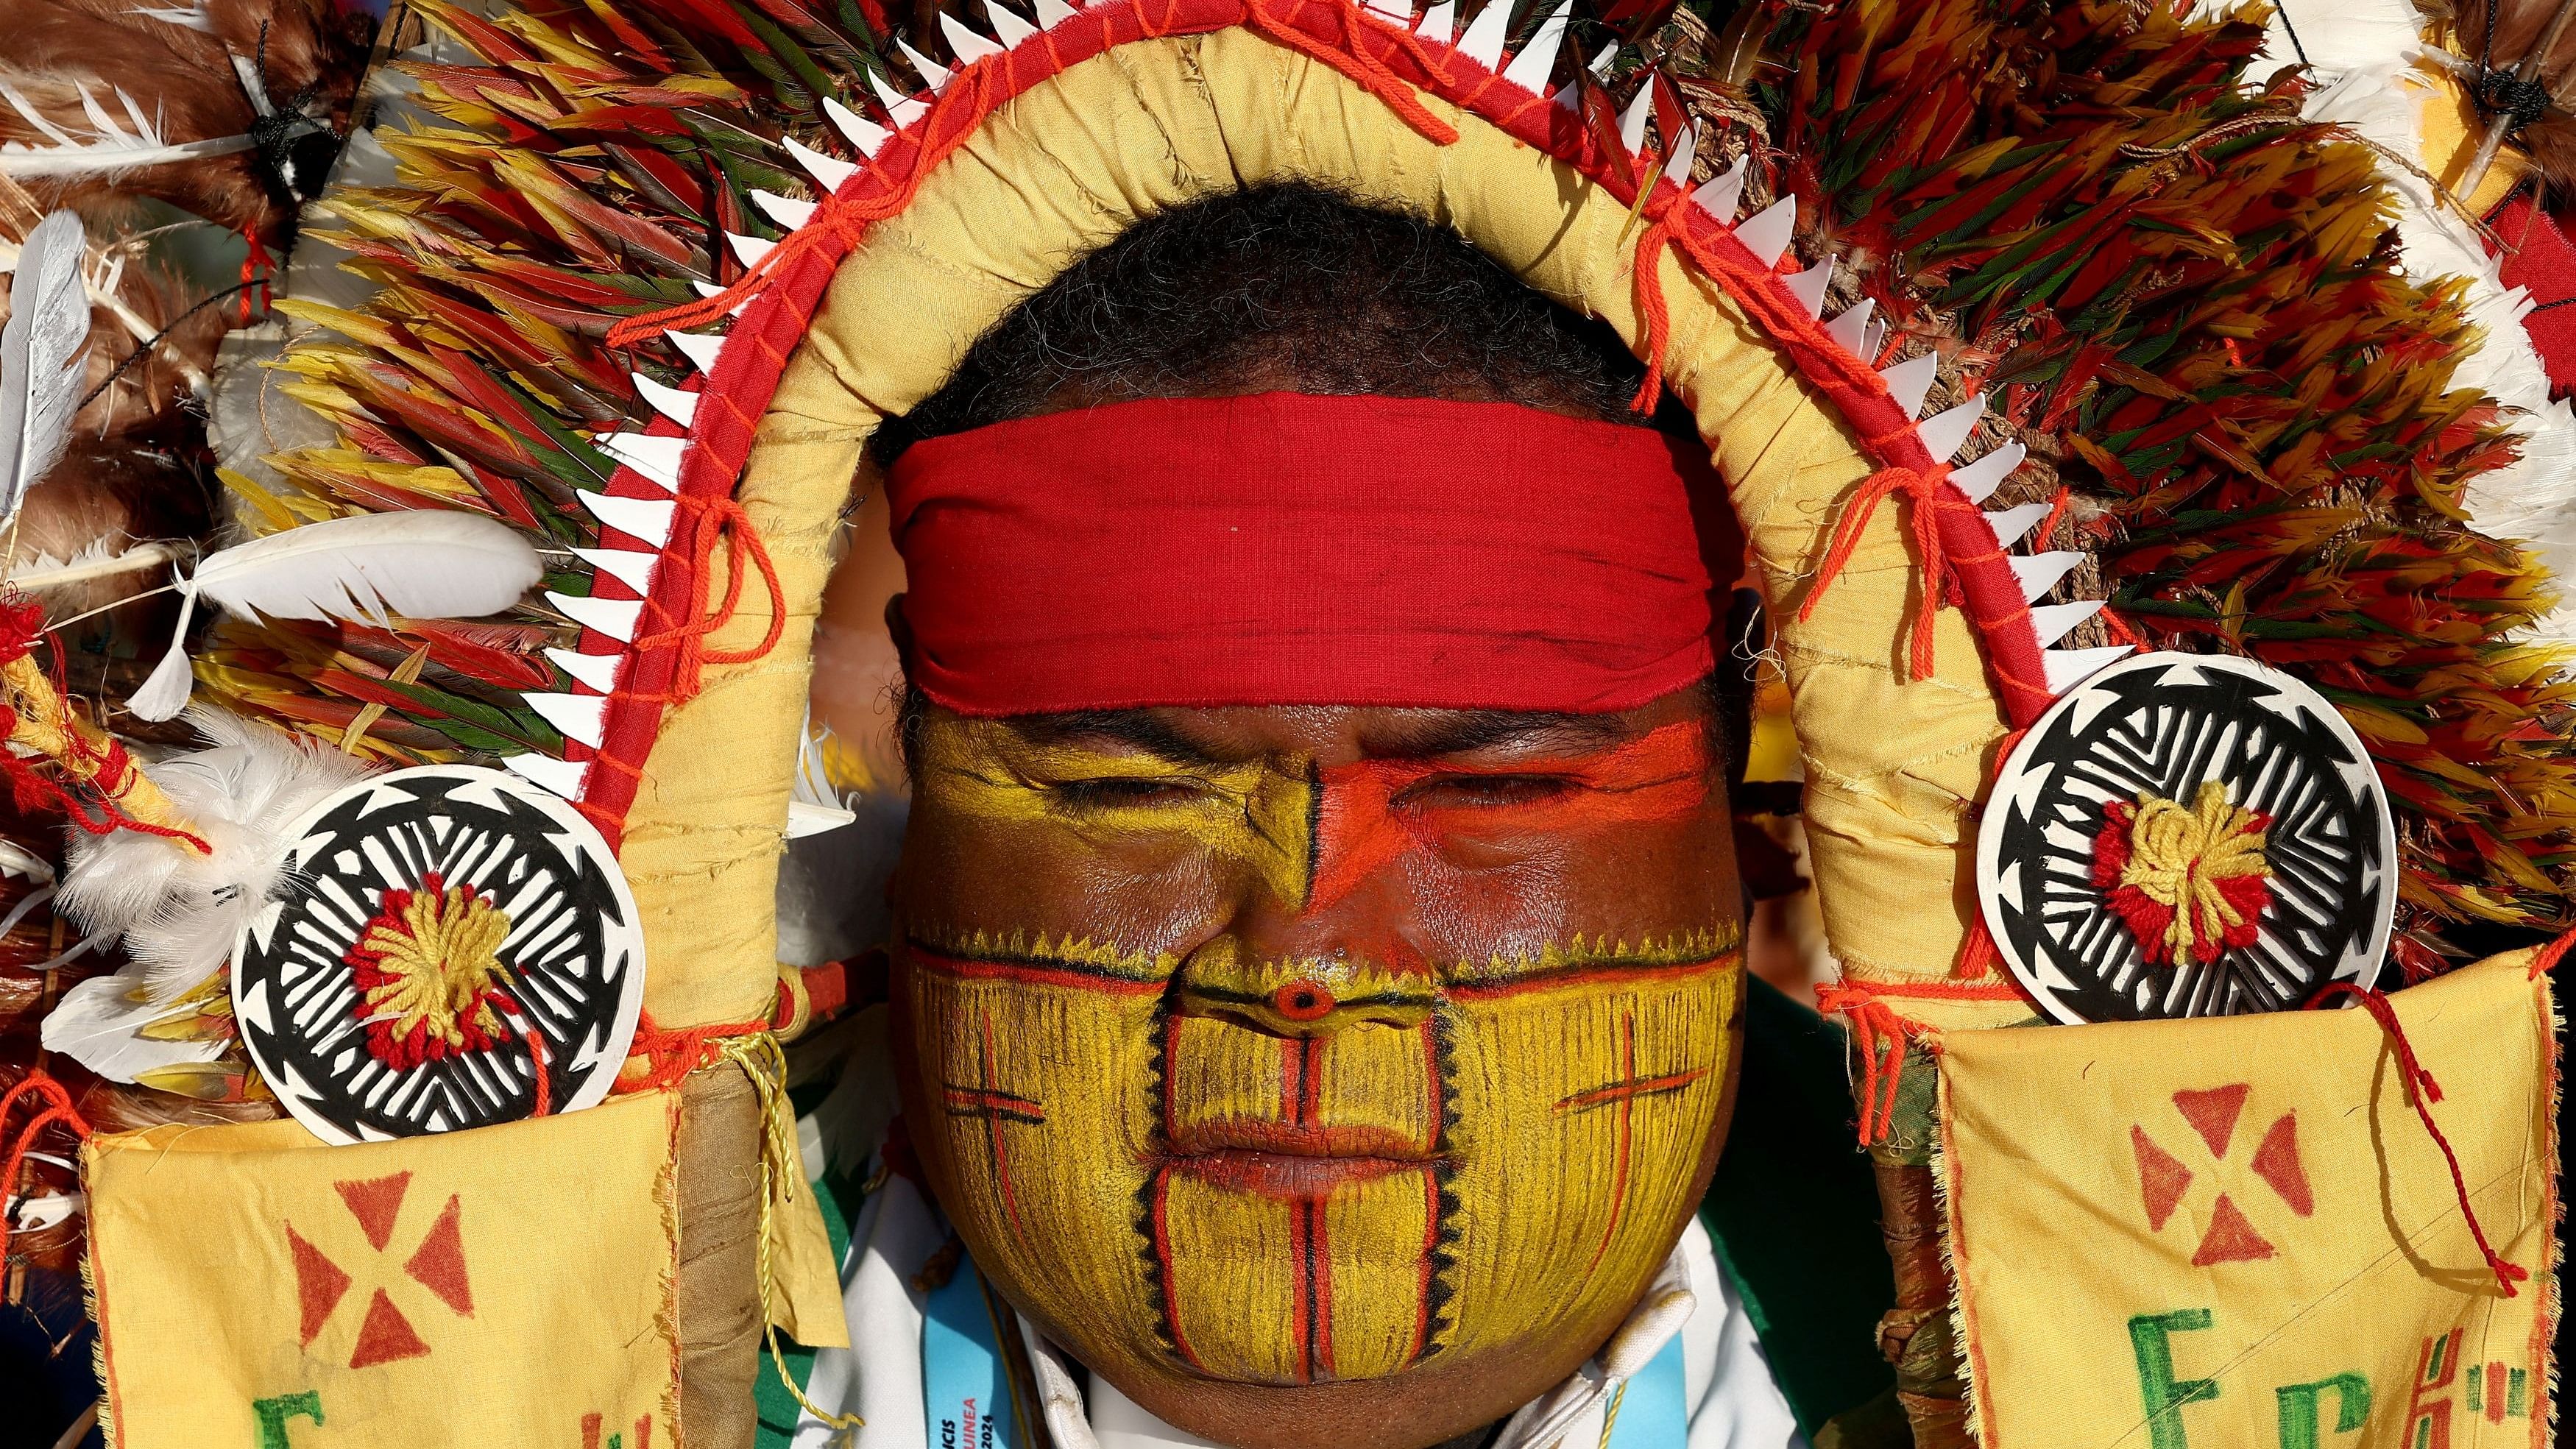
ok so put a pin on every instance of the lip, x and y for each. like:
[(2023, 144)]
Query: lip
[(1291, 1159)]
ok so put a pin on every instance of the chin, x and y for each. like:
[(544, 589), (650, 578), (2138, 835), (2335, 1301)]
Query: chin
[(1382, 1236)]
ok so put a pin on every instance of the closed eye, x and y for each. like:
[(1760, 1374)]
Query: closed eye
[(1113, 791), (1472, 792)]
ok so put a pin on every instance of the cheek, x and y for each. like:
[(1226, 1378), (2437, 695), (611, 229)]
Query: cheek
[(1148, 891), (1485, 892)]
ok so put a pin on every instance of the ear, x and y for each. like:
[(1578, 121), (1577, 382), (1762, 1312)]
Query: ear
[(900, 629)]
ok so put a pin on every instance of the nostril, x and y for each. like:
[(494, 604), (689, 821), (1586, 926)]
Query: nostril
[(1302, 1001)]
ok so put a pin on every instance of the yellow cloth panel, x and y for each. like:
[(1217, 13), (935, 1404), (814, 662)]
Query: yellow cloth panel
[(2240, 1222), (1892, 767), (487, 1289)]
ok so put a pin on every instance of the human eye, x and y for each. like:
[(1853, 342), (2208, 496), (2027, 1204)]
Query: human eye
[(1111, 792), (1483, 791)]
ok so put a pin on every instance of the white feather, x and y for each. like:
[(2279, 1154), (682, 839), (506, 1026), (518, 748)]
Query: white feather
[(177, 910), (108, 148), (41, 355), (423, 564), (100, 1023)]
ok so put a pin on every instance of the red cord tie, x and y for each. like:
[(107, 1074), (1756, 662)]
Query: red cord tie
[(1353, 58), (719, 521), (1924, 491), (37, 1084), (2421, 1092), (670, 1055), (1881, 1035)]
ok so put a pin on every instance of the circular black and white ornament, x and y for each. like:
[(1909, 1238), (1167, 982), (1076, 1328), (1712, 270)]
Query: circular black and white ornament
[(2187, 835), (448, 947)]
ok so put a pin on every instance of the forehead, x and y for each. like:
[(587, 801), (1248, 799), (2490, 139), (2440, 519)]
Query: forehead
[(1330, 733)]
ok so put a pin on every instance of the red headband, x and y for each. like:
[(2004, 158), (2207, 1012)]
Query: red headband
[(1289, 549)]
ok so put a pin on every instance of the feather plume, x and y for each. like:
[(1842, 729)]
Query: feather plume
[(41, 366), (184, 138), (102, 1024), (422, 563), (179, 911)]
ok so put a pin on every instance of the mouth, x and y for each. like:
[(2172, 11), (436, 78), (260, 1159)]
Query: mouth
[(1291, 1159)]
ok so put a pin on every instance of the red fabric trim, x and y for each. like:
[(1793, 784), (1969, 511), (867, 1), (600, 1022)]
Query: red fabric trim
[(1282, 548), (747, 374)]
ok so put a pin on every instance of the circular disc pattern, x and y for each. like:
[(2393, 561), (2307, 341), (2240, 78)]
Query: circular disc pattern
[(446, 945), (2187, 835)]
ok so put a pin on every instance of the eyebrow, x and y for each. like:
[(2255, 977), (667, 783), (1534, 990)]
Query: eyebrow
[(1136, 729), (1460, 732)]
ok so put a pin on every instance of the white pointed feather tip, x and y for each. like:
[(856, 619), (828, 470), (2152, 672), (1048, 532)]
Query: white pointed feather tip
[(962, 39), (419, 563), (43, 355), (2040, 572), (680, 407), (1537, 61), (828, 171), (2010, 524), (1008, 27), (657, 459), (645, 519), (2052, 622), (1944, 432), (1721, 194), (557, 777), (1570, 94), (858, 130), (594, 671), (930, 70), (2068, 668), (628, 567), (1980, 479), (903, 110), (701, 348), (787, 211), (615, 618), (1439, 23), (1483, 42), (1678, 170), (748, 250), (179, 911), (1052, 13), (1767, 233), (1809, 286), (1632, 121), (1909, 380), (1850, 331), (579, 716)]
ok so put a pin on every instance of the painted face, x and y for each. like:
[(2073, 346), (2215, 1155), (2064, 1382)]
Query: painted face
[(1312, 1049)]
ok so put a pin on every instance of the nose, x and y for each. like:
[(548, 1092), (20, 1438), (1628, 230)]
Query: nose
[(1299, 995)]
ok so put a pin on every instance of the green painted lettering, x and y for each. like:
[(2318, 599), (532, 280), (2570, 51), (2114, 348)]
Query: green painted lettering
[(274, 1415), (2150, 1335), (2299, 1423)]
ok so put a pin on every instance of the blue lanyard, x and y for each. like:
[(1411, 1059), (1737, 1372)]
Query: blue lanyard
[(1652, 1414), (966, 1394)]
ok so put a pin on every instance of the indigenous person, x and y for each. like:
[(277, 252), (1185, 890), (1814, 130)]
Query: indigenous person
[(1319, 1003)]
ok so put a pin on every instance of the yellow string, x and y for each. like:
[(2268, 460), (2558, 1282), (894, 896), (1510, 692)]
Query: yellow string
[(765, 1062), (1610, 1421)]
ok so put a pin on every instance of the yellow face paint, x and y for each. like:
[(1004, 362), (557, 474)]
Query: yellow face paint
[(1184, 1157)]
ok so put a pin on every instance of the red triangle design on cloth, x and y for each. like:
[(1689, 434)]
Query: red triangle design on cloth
[(373, 1202), (2162, 1179), (2230, 1239), (2277, 1162), (319, 1283), (439, 1266), (385, 1336), (2212, 1114)]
